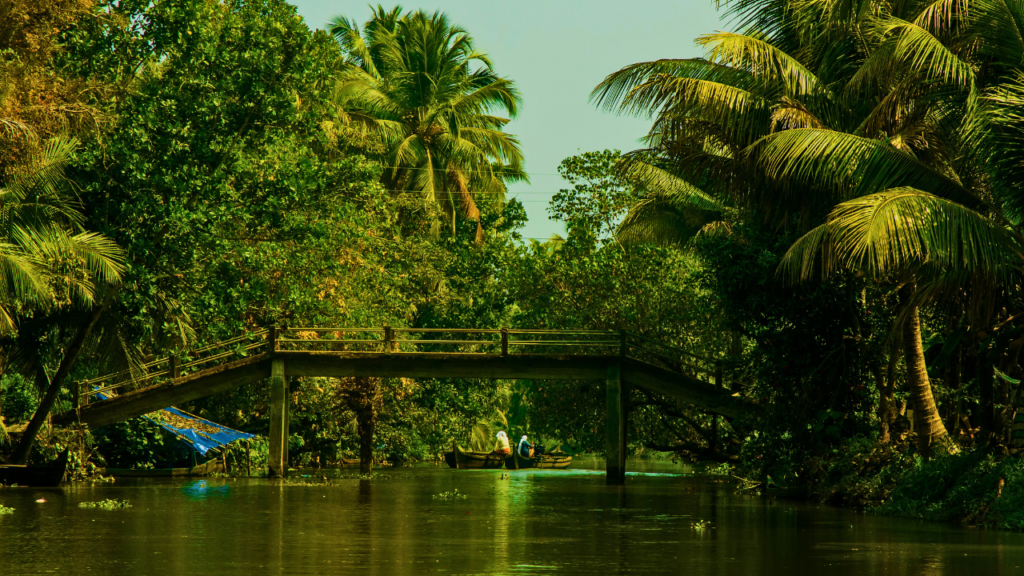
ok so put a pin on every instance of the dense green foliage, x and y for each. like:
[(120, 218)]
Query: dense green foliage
[(827, 207), (846, 172)]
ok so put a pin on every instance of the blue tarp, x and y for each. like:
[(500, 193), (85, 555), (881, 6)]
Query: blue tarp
[(199, 441)]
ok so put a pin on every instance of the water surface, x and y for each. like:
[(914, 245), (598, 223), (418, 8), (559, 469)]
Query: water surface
[(544, 522)]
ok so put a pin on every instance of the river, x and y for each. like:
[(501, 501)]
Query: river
[(543, 522)]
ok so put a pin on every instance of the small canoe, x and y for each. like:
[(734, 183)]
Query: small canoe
[(556, 461), (460, 458), (208, 467), (35, 475), (355, 462)]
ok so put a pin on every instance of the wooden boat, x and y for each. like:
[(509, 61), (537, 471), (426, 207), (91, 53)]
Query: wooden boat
[(460, 458), (208, 467), (355, 462), (35, 475), (556, 461)]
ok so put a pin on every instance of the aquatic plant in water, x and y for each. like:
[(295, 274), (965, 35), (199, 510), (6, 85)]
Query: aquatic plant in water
[(323, 481), (372, 476), (5, 510), (453, 495), (700, 525), (108, 504)]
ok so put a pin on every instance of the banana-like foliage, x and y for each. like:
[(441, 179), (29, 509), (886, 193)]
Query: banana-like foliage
[(46, 258), (416, 84)]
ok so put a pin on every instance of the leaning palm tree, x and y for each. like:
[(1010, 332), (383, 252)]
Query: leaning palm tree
[(416, 85), (49, 266)]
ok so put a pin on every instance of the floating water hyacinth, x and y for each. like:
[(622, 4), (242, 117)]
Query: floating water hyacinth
[(453, 495), (5, 510), (109, 504)]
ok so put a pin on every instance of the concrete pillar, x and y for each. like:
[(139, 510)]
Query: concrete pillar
[(278, 419), (616, 426)]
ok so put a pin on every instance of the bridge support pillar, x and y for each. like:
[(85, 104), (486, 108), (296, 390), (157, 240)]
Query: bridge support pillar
[(278, 419), (616, 426)]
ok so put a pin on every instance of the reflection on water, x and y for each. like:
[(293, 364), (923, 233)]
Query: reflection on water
[(201, 489), (531, 522)]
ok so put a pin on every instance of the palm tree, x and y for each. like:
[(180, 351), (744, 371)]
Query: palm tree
[(47, 260), (416, 85), (901, 117), (49, 265)]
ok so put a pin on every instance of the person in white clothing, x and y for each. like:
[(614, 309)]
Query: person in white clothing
[(524, 449), (501, 447)]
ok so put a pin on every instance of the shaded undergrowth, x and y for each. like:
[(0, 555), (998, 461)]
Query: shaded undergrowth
[(975, 486)]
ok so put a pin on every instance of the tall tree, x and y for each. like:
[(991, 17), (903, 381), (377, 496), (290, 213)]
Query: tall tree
[(418, 86)]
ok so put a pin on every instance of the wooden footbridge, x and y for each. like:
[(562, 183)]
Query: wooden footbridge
[(620, 359)]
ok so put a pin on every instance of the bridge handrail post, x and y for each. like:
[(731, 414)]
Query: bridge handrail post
[(272, 341), (623, 344), (504, 341), (719, 380), (389, 339), (174, 366)]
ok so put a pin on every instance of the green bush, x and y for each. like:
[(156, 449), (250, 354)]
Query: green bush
[(18, 398), (972, 487)]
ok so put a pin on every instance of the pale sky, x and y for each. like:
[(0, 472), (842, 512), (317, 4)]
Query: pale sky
[(557, 51)]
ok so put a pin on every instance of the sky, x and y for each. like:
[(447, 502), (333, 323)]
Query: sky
[(557, 51)]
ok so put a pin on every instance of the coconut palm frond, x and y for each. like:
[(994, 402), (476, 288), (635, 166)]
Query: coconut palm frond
[(849, 165), (902, 229), (643, 89), (920, 50), (756, 53)]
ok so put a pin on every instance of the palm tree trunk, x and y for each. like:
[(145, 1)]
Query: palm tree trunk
[(927, 422), (21, 453)]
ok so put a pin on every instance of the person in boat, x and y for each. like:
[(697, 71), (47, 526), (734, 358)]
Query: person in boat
[(525, 449), (501, 447)]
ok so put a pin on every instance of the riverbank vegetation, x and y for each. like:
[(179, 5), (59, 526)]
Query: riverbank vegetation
[(827, 204)]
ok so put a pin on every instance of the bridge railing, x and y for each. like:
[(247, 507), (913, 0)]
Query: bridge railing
[(670, 357), (175, 365), (449, 341), (505, 341), (330, 339)]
